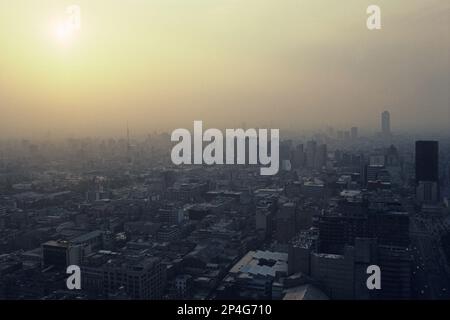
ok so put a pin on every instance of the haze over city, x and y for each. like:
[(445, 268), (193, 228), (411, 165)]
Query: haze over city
[(159, 65), (224, 157)]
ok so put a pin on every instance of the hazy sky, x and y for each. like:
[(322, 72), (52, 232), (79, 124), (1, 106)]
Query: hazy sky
[(160, 64)]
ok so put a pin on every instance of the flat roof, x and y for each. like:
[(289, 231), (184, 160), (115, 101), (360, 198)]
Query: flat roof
[(265, 263)]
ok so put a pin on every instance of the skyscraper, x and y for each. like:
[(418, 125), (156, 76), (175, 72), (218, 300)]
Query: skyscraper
[(427, 171), (386, 123), (320, 159), (427, 157), (311, 147)]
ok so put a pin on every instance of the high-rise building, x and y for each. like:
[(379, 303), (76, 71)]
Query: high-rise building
[(60, 254), (365, 254), (320, 159), (332, 230), (335, 273), (386, 123), (373, 172), (299, 253), (337, 231), (427, 191), (427, 171), (393, 228), (298, 157), (311, 147), (286, 224), (396, 265), (427, 159)]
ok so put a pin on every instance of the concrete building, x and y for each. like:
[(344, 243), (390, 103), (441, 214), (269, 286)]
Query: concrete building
[(396, 264), (141, 277), (300, 250), (286, 222), (263, 221), (254, 275), (61, 254), (335, 273), (183, 285), (386, 123)]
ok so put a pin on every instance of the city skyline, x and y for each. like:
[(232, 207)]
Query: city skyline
[(222, 157), (161, 65)]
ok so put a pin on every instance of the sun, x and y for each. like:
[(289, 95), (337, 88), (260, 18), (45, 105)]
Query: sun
[(62, 32), (65, 30)]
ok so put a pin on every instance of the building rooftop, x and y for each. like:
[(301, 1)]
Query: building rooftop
[(305, 292), (87, 236), (350, 193), (264, 263), (57, 243)]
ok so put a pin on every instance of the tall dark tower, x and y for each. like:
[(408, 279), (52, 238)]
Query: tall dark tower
[(427, 161), (427, 171)]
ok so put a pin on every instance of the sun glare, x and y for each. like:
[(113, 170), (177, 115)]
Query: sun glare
[(63, 33), (64, 30)]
